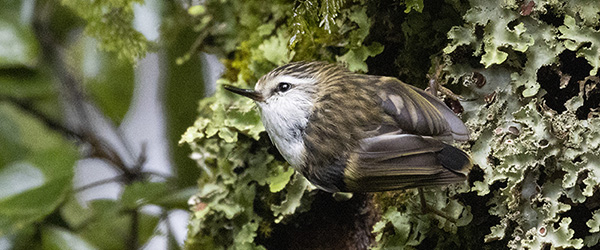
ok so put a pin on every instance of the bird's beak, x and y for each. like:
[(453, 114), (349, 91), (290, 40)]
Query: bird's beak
[(250, 93)]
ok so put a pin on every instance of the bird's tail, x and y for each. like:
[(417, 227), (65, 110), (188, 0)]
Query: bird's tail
[(399, 161), (455, 160)]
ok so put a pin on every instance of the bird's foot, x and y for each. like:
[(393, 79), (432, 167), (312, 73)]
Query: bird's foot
[(436, 87)]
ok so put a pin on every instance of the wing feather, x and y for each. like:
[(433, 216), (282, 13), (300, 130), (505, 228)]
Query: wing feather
[(460, 132), (398, 161), (407, 148), (418, 112)]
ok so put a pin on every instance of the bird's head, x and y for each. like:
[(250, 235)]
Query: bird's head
[(286, 97), (290, 90)]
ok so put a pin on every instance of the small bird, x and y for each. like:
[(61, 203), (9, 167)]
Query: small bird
[(350, 132)]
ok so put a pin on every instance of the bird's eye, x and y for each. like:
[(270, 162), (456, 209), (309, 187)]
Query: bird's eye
[(283, 87)]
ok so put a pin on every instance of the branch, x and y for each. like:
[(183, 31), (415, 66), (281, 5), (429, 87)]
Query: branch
[(98, 183), (170, 231), (75, 97), (49, 122)]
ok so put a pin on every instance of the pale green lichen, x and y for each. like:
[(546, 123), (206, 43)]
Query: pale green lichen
[(546, 160)]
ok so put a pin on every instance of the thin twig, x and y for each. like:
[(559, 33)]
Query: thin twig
[(133, 241), (170, 231), (98, 183), (74, 95), (141, 160)]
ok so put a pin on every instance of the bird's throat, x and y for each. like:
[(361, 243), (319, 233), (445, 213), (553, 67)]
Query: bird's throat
[(287, 137)]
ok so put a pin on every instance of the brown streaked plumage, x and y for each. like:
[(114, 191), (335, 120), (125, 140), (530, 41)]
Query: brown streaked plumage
[(360, 133)]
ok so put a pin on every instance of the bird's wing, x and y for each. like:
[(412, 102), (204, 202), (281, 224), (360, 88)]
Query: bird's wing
[(416, 153), (459, 131), (417, 112), (398, 161)]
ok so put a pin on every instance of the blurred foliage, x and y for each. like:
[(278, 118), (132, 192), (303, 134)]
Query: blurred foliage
[(110, 23), (46, 64), (96, 69), (528, 75), (183, 89), (18, 47)]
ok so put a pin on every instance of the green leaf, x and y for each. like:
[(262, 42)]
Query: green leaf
[(139, 194), (176, 199), (74, 214), (111, 226), (19, 177), (11, 146), (109, 81), (38, 181), (56, 238), (26, 238), (33, 205), (35, 87), (18, 46), (46, 149)]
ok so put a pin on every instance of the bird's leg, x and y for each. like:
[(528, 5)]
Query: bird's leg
[(425, 208), (435, 84), (450, 94), (433, 87)]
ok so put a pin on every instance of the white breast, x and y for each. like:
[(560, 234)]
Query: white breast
[(285, 119)]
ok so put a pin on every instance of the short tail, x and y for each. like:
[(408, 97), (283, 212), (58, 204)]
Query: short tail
[(399, 161), (455, 160)]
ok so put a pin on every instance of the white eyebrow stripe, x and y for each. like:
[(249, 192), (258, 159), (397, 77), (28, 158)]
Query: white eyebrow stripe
[(294, 80)]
